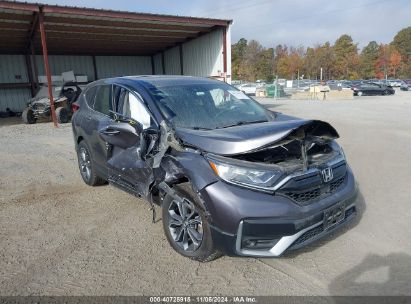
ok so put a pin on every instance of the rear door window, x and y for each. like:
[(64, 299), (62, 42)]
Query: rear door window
[(90, 94), (102, 101)]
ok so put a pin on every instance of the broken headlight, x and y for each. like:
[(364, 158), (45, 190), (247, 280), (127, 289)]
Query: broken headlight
[(245, 176)]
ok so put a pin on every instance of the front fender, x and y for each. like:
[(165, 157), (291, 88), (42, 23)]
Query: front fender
[(191, 165)]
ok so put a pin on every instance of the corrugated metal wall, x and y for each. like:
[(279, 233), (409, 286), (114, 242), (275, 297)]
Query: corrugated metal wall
[(172, 61), (12, 66), (204, 56), (61, 63), (14, 99), (111, 66), (13, 70), (158, 64)]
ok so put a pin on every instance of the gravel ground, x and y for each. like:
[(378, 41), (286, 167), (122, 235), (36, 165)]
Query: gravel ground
[(61, 237)]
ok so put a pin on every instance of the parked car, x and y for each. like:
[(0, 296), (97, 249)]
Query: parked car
[(230, 176), (406, 86), (370, 88), (248, 88), (39, 105), (394, 82)]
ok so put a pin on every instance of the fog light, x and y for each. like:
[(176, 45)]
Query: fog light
[(259, 244)]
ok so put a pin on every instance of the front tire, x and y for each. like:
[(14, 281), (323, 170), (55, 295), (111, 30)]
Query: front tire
[(86, 165), (62, 115), (186, 226), (28, 116), (359, 93)]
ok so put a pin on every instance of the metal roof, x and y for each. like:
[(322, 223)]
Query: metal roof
[(76, 30)]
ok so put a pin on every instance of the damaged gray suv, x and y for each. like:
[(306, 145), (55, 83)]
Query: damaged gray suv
[(230, 176)]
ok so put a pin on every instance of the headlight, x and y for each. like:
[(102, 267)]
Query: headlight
[(251, 177), (336, 147)]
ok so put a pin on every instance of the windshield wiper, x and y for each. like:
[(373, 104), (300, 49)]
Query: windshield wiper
[(243, 122)]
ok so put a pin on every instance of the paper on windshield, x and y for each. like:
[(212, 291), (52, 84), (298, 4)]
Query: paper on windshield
[(238, 94)]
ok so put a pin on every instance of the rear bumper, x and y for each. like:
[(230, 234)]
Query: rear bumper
[(285, 226)]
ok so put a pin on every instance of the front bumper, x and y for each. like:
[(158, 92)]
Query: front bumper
[(275, 223)]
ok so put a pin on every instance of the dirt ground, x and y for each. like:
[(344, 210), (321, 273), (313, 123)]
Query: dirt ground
[(61, 237)]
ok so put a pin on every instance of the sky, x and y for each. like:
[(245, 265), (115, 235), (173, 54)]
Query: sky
[(272, 22)]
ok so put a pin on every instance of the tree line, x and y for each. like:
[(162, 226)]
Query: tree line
[(342, 60)]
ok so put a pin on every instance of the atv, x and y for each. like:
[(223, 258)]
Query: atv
[(39, 106)]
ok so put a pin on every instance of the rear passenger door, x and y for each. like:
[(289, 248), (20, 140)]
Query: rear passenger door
[(96, 120)]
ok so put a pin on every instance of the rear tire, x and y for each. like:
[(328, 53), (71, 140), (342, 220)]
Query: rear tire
[(184, 223), (386, 92), (62, 115), (28, 116), (86, 166)]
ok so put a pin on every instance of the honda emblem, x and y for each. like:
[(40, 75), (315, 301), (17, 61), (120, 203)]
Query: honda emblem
[(327, 174)]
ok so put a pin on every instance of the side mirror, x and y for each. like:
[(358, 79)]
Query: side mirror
[(150, 131)]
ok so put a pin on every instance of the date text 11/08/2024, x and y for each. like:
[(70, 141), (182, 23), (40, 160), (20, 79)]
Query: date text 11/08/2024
[(203, 299)]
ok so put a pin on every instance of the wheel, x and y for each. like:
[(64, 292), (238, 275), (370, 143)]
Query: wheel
[(186, 227), (62, 115), (359, 93), (28, 116), (86, 166)]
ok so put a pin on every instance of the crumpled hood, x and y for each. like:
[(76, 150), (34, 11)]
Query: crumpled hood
[(251, 137)]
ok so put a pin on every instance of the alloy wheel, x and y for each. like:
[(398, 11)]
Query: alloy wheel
[(185, 225), (85, 163)]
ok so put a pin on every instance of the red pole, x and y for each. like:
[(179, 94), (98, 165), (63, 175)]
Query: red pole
[(47, 68), (225, 53)]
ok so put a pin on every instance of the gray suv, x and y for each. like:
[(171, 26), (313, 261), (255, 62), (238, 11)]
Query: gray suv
[(230, 176)]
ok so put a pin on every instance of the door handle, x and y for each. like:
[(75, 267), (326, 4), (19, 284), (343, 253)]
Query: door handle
[(111, 132)]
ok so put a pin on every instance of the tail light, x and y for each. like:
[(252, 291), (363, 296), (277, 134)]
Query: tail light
[(74, 107)]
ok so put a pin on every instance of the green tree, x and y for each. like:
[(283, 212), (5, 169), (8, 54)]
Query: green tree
[(237, 57), (346, 57), (368, 60), (402, 42), (265, 65)]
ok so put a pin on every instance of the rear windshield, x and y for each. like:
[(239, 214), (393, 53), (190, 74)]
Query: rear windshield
[(207, 106)]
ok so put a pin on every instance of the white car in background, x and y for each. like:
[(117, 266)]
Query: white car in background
[(248, 88)]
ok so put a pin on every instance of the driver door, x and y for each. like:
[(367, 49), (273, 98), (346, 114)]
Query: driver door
[(126, 165)]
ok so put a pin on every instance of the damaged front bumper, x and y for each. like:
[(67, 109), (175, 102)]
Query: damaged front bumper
[(252, 223)]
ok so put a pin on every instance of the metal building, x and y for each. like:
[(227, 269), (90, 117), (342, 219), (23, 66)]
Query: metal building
[(35, 38)]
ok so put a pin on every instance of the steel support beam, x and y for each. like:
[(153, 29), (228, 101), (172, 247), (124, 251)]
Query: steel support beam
[(32, 31), (95, 68), (153, 68), (225, 52), (30, 75), (180, 48), (36, 70), (47, 67), (163, 65), (14, 85)]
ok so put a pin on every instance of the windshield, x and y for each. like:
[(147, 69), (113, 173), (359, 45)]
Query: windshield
[(208, 106)]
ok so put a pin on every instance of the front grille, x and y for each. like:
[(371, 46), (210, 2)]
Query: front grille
[(336, 184), (305, 197), (309, 234)]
